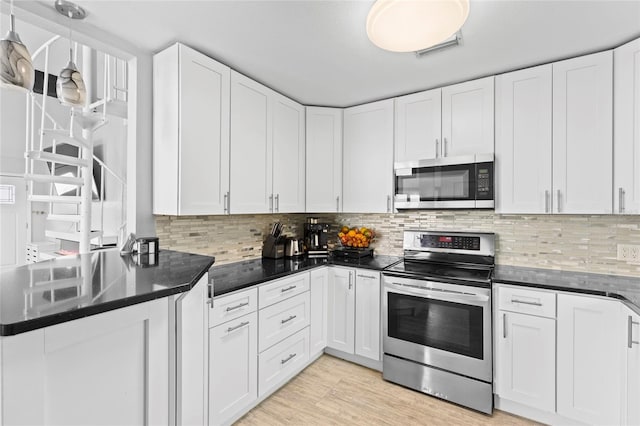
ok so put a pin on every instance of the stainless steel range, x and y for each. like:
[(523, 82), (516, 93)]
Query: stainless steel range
[(437, 317)]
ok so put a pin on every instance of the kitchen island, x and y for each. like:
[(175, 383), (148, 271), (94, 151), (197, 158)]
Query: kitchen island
[(101, 338)]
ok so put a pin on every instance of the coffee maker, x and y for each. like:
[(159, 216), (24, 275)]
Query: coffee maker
[(315, 238)]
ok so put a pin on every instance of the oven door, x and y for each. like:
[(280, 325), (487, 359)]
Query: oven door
[(446, 326)]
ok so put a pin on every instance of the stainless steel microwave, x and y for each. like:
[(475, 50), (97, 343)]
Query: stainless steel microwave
[(445, 183)]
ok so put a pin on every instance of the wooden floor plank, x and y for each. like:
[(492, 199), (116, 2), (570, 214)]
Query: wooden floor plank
[(332, 391)]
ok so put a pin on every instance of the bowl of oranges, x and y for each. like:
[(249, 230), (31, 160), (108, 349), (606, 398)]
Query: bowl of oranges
[(356, 237)]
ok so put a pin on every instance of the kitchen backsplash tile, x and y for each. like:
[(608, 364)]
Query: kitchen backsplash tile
[(565, 242)]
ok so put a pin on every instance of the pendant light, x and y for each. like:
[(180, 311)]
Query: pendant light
[(70, 87), (413, 25), (16, 66)]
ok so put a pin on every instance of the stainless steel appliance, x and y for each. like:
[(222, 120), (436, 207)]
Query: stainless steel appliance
[(437, 335), (445, 182), (316, 236), (293, 247)]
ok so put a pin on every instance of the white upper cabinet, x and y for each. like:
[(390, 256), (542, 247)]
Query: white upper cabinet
[(288, 156), (368, 158), (191, 133), (523, 141), (626, 131), (583, 134), (251, 146), (418, 126), (267, 150), (467, 118), (324, 160)]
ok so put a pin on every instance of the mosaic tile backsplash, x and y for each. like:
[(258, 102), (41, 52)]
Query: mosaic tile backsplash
[(565, 242)]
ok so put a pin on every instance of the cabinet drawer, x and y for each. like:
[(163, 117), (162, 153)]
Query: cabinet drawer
[(527, 301), (283, 289), (279, 362), (233, 306), (282, 319)]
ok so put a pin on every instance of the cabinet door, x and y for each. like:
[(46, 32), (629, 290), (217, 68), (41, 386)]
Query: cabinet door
[(590, 371), (368, 158), (288, 156), (523, 141), (467, 118), (631, 323), (251, 146), (191, 133), (233, 367), (582, 134), (324, 160), (417, 127), (526, 360), (319, 296), (367, 322), (626, 131), (341, 312)]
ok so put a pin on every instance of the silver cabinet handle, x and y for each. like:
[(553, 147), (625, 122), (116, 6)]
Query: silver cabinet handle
[(338, 204), (546, 201), (558, 200), (437, 148), (630, 341), (350, 283), (365, 276), (504, 326), (444, 147), (277, 203), (271, 203), (287, 289), (621, 200), (524, 302), (284, 321), (225, 207), (210, 296), (242, 324), (388, 203), (233, 308), (287, 359)]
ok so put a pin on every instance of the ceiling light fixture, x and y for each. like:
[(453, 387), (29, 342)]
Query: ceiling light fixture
[(16, 66), (414, 25), (70, 87)]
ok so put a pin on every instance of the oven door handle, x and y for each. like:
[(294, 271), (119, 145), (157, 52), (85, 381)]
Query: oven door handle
[(440, 294)]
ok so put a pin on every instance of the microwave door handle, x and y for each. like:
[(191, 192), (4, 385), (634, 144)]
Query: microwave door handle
[(470, 299)]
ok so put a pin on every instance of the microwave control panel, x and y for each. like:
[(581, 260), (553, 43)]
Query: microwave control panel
[(484, 181)]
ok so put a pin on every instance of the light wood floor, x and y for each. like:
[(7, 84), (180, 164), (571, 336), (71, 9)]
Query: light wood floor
[(336, 392)]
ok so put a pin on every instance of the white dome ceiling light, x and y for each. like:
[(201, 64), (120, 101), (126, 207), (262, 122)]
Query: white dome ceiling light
[(414, 25)]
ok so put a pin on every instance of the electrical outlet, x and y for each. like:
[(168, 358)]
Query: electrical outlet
[(629, 253)]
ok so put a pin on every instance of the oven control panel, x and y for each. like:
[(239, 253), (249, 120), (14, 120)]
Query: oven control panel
[(456, 242)]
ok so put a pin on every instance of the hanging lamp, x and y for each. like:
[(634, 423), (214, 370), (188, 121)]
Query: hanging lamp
[(70, 87), (16, 66), (414, 25)]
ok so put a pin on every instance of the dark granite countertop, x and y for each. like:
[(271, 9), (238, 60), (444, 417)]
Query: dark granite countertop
[(624, 288), (239, 275), (54, 291)]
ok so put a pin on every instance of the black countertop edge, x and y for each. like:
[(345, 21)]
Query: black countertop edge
[(623, 288), (37, 323), (232, 277)]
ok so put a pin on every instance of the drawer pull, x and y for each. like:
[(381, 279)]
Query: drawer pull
[(287, 359), (288, 288), (242, 324), (366, 276), (630, 341), (284, 321), (233, 308), (524, 302)]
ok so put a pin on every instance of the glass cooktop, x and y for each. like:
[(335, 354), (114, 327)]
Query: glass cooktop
[(442, 271)]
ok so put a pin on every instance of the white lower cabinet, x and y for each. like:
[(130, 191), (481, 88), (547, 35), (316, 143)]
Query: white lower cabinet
[(280, 361), (631, 322), (233, 361), (354, 312), (282, 319), (319, 297), (590, 350)]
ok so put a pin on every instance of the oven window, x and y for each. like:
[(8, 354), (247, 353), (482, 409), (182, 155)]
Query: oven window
[(438, 183), (449, 326)]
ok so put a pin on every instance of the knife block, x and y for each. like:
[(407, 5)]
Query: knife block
[(273, 248)]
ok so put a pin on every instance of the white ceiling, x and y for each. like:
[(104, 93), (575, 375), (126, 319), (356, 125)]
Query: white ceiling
[(317, 52)]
